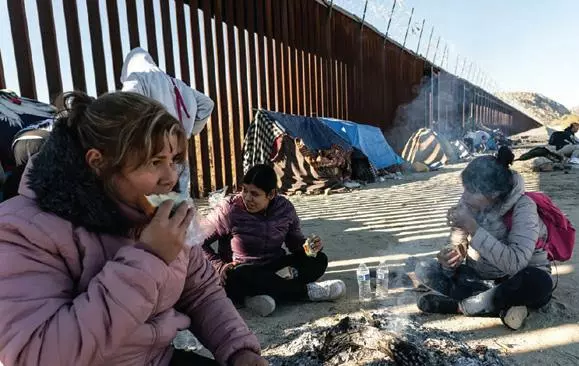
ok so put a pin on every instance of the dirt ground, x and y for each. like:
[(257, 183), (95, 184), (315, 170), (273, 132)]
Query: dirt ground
[(395, 220)]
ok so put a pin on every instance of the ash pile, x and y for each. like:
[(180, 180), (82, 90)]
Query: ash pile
[(380, 339)]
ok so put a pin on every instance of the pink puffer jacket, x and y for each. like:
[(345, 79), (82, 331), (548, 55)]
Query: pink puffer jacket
[(74, 296)]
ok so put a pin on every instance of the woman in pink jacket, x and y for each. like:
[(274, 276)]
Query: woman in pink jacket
[(85, 277)]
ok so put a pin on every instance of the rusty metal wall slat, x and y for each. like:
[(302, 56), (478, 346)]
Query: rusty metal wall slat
[(299, 57), (2, 78), (50, 50), (150, 26), (292, 57), (233, 96), (133, 23), (74, 45), (254, 67), (182, 38), (279, 61), (98, 52), (286, 50), (223, 97), (202, 177), (115, 39), (167, 38), (185, 76), (22, 52), (330, 66), (306, 31), (213, 123), (260, 27), (246, 112), (271, 76)]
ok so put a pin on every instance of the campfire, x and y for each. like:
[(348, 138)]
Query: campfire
[(381, 339)]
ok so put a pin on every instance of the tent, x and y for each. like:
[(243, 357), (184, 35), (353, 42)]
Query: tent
[(429, 148), (368, 139), (306, 154)]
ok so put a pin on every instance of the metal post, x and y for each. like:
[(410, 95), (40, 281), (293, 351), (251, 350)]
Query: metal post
[(456, 66), (429, 41), (420, 37), (364, 16), (443, 55), (331, 8), (436, 51), (463, 66), (408, 28), (389, 20)]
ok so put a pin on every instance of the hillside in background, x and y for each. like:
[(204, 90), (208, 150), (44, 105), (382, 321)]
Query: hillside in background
[(545, 110)]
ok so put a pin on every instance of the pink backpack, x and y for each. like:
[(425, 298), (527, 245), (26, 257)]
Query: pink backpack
[(561, 233)]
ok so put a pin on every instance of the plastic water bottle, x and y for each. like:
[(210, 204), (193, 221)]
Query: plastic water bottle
[(364, 289), (382, 273)]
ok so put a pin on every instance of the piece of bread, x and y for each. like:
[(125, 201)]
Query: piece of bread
[(150, 203)]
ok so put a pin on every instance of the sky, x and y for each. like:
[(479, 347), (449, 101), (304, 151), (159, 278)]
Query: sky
[(512, 45)]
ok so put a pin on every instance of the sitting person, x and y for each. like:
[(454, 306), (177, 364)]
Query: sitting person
[(565, 142), (493, 270), (86, 277), (25, 145), (251, 228)]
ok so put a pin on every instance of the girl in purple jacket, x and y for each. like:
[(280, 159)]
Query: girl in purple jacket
[(86, 278), (252, 228)]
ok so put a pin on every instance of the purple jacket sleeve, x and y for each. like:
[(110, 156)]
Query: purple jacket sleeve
[(219, 222), (294, 239), (214, 318), (43, 320)]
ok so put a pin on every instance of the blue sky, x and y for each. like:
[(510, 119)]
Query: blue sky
[(522, 45)]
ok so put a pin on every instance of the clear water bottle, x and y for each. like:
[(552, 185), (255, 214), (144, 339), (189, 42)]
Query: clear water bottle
[(382, 273), (364, 289)]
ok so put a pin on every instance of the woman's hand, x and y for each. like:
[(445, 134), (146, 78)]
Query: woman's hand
[(449, 258), (316, 244), (223, 273), (164, 236), (248, 358), (461, 217)]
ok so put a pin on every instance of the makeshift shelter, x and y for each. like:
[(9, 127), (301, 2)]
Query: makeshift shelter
[(426, 147), (17, 113), (368, 139), (306, 154)]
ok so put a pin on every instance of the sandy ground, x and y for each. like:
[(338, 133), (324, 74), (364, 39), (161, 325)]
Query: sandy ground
[(394, 220), (400, 219)]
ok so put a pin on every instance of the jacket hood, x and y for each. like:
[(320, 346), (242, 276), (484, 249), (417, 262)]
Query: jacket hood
[(61, 182), (516, 193), (138, 60)]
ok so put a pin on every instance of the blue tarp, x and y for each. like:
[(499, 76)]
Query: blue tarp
[(315, 134), (368, 139)]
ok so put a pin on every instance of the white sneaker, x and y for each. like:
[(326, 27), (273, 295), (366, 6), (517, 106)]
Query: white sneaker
[(262, 304), (326, 291), (514, 317)]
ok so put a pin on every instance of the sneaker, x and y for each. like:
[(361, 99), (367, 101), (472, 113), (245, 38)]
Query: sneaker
[(437, 304), (326, 291), (514, 317), (262, 304)]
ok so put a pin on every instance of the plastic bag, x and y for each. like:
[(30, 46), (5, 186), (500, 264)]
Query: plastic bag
[(198, 230)]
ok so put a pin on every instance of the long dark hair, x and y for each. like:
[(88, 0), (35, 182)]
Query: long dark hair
[(263, 177), (490, 175)]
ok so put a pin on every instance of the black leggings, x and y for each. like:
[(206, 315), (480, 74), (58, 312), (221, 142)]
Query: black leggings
[(185, 358), (251, 280), (531, 287)]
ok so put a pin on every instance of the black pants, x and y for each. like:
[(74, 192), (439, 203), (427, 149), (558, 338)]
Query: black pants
[(184, 358), (531, 287), (251, 280)]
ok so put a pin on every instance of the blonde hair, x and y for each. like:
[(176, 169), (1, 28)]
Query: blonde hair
[(127, 128)]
